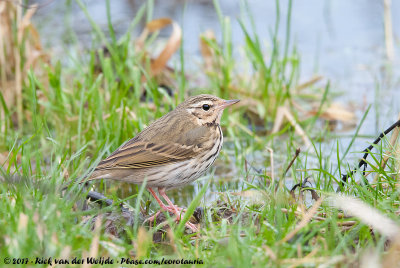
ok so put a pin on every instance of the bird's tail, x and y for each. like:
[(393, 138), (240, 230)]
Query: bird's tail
[(95, 175), (83, 180)]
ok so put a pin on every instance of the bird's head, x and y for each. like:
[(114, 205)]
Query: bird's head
[(207, 109)]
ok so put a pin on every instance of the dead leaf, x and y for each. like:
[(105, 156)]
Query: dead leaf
[(174, 42), (335, 112), (206, 50)]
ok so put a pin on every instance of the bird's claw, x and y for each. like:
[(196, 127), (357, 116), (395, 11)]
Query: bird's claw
[(188, 224)]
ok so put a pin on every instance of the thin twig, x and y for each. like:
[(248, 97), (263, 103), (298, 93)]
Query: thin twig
[(291, 162), (366, 152), (302, 186)]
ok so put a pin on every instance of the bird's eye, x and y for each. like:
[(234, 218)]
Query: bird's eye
[(206, 107)]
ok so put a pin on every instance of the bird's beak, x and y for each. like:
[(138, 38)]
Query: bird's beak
[(227, 103)]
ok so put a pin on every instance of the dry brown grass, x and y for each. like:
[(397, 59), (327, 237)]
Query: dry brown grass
[(20, 50)]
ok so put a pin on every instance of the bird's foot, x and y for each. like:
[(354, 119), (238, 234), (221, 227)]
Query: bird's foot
[(178, 213), (192, 227), (163, 208), (172, 208), (152, 218)]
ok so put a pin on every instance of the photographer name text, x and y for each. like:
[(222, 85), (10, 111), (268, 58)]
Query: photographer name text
[(99, 261)]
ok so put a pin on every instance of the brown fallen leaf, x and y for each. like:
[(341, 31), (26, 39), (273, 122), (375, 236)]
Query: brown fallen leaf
[(206, 51), (174, 42), (335, 112)]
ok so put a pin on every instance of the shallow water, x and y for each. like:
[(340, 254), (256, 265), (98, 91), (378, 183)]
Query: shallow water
[(342, 40)]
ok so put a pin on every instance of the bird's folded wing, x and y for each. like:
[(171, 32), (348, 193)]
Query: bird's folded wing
[(147, 154), (146, 150)]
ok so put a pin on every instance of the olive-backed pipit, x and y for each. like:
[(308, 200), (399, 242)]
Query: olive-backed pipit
[(173, 151)]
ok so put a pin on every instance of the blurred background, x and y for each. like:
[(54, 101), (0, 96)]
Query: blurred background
[(344, 41)]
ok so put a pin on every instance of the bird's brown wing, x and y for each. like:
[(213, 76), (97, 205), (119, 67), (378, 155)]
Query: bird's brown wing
[(140, 152)]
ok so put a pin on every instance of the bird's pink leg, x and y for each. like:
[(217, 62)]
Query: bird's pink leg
[(171, 205), (176, 210), (162, 205), (152, 218)]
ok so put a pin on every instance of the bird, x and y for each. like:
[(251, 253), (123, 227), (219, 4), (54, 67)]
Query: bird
[(173, 151)]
